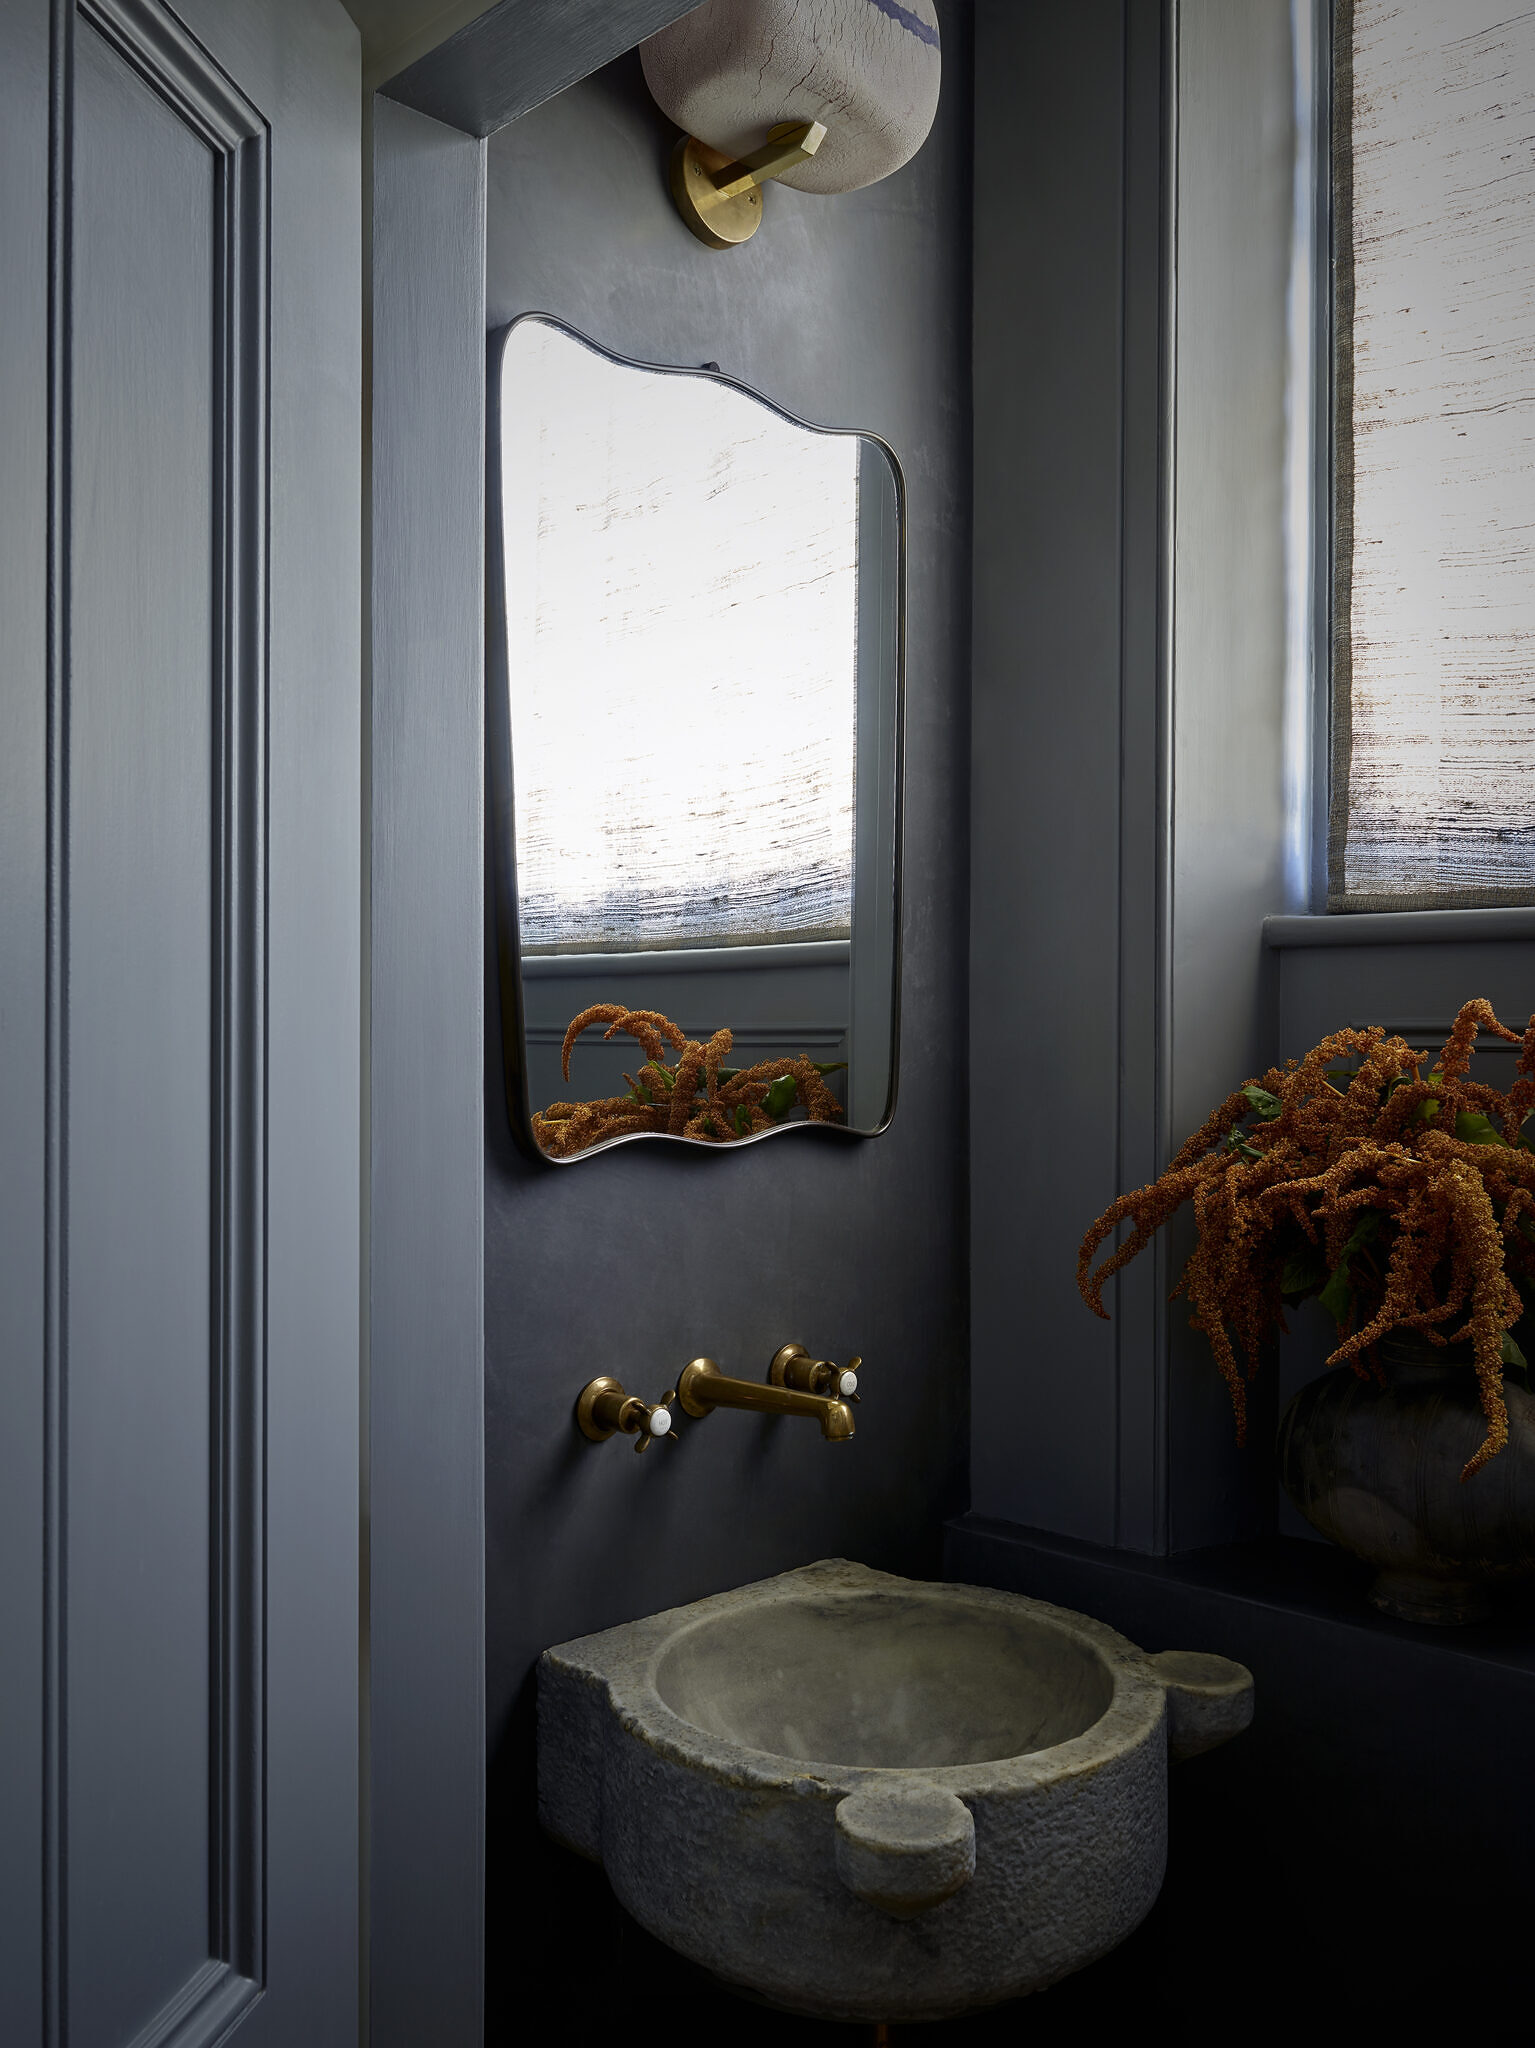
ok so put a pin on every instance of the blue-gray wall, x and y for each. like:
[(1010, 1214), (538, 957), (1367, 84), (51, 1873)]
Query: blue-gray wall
[(853, 312), (1127, 792)]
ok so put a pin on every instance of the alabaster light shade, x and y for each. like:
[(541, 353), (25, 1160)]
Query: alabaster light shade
[(868, 69)]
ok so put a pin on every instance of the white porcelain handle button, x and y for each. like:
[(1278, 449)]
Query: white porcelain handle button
[(660, 1422), (848, 1384)]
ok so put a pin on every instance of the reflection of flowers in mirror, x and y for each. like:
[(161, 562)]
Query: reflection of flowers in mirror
[(695, 1096)]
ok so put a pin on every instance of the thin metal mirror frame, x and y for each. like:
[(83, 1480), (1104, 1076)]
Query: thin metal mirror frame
[(500, 816)]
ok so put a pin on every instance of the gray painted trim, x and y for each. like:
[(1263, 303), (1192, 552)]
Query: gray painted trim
[(27, 569), (771, 1036), (1324, 230), (426, 1255), (1144, 1139), (518, 54), (1071, 736), (55, 1113), (1399, 928), (689, 960)]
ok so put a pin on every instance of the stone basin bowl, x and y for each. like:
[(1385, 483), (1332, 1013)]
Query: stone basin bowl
[(867, 1798)]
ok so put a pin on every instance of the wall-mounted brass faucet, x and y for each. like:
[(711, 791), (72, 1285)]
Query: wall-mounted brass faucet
[(701, 1387), (797, 1384)]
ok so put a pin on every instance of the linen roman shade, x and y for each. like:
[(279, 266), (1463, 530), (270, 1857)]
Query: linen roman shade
[(1433, 783)]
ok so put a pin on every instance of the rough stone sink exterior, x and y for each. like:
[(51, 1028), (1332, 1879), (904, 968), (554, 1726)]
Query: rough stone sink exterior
[(868, 1798)]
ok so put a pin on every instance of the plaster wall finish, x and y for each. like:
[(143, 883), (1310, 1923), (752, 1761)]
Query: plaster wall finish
[(852, 312)]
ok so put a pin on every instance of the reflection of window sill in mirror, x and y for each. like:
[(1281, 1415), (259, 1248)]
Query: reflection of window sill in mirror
[(1399, 927), (770, 1037), (689, 960)]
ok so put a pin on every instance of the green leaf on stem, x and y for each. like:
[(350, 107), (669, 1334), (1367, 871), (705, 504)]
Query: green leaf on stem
[(1305, 1273), (779, 1099), (1472, 1128), (1336, 1295)]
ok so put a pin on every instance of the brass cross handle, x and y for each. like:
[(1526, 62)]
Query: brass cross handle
[(604, 1407), (793, 1366)]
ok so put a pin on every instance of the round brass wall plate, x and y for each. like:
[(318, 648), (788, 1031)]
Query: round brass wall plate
[(722, 223), (695, 1370), (586, 1407), (781, 1359)]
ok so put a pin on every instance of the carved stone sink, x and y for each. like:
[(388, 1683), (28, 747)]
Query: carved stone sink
[(868, 1798)]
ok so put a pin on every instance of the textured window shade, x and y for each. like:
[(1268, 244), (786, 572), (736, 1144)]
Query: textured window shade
[(1434, 621), (681, 576)]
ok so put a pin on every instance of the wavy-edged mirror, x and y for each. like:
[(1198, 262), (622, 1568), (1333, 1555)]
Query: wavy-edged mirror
[(695, 699)]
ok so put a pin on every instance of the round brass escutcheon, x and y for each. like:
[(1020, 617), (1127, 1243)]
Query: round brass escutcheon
[(695, 1370), (722, 223), (783, 1357), (586, 1407)]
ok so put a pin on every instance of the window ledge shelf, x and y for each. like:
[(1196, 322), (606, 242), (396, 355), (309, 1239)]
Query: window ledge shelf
[(1399, 927)]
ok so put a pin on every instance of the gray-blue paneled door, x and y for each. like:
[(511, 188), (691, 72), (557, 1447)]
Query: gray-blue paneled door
[(179, 978)]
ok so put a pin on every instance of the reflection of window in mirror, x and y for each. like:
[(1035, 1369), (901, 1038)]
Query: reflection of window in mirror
[(699, 606), (682, 622), (1433, 783)]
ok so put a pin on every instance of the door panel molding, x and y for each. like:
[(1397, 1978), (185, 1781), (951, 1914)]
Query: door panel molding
[(149, 39)]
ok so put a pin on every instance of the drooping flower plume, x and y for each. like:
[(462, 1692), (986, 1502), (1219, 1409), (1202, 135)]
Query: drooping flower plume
[(1403, 1198)]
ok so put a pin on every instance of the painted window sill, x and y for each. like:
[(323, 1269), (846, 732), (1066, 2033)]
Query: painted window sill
[(1399, 927)]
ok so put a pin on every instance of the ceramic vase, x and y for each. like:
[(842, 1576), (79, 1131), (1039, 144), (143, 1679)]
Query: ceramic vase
[(1376, 1469)]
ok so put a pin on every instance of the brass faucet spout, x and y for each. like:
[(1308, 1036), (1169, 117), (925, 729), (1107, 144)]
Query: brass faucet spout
[(703, 1387)]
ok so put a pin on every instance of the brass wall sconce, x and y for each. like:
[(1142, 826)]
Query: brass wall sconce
[(727, 68), (721, 201), (797, 1384)]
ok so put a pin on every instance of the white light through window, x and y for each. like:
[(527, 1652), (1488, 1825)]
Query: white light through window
[(681, 615), (1434, 782)]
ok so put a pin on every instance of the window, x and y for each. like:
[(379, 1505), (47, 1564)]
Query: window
[(1433, 786)]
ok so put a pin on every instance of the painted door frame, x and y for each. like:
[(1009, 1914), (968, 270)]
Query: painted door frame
[(424, 729)]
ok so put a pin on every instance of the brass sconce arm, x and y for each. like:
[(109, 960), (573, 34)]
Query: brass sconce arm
[(787, 145), (702, 1387)]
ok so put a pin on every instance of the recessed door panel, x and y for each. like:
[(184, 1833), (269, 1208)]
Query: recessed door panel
[(142, 1222), (179, 1763)]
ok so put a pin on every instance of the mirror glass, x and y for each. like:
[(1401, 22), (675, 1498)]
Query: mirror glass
[(695, 698)]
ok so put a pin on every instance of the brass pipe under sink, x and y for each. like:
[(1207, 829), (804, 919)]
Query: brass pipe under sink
[(702, 1387)]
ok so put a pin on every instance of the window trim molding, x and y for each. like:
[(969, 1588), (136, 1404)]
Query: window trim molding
[(1399, 927)]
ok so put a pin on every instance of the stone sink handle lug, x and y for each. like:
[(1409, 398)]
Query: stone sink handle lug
[(904, 1844), (1209, 1699)]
